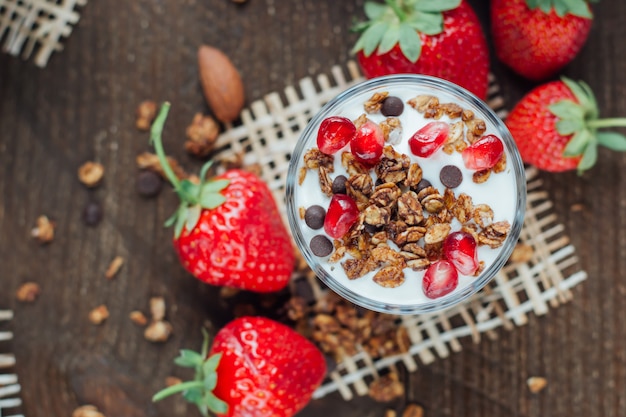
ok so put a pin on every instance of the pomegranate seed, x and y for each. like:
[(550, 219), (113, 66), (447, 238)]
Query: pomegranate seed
[(334, 133), (367, 145), (460, 249), (341, 214), (441, 278), (429, 138), (484, 153)]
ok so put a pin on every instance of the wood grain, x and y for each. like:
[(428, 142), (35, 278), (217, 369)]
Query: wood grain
[(81, 107)]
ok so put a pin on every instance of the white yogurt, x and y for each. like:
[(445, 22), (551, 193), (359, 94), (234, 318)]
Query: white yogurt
[(501, 192)]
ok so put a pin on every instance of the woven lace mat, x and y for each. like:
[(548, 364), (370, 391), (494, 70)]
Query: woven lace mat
[(36, 26), (9, 388), (267, 135)]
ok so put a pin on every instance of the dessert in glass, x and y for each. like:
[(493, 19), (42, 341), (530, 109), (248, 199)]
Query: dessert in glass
[(406, 194)]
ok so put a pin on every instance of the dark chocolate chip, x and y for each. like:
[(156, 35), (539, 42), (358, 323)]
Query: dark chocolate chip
[(451, 176), (392, 106), (422, 184), (92, 213), (149, 183), (339, 184), (321, 246), (314, 217), (371, 229), (303, 289)]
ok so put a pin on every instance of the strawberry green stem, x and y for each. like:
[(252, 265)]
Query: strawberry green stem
[(156, 133), (175, 389), (397, 9), (610, 122)]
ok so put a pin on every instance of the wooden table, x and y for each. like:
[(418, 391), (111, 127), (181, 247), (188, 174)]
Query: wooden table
[(81, 107)]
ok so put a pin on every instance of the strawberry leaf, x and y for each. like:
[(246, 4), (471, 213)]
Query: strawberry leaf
[(427, 23), (181, 218), (370, 39), (567, 109), (210, 381), (374, 11), (188, 359), (578, 144), (389, 39), (568, 126), (612, 140), (436, 5), (589, 158), (193, 216), (410, 43), (582, 93), (562, 7), (215, 404)]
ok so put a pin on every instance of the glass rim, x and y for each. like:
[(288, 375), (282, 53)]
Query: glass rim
[(514, 162)]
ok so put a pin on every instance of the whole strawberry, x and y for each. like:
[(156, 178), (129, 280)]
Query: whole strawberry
[(256, 367), (441, 38), (537, 38), (555, 127), (228, 230)]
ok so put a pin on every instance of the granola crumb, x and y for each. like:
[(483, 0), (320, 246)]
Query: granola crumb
[(201, 134), (114, 267), (148, 160), (536, 383), (99, 314), (90, 173), (157, 308), (522, 253), (390, 413), (87, 411), (145, 113), (28, 292), (386, 388), (43, 230), (227, 292), (158, 331), (138, 318), (413, 410), (172, 380)]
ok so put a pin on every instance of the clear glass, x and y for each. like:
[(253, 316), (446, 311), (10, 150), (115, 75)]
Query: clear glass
[(508, 193)]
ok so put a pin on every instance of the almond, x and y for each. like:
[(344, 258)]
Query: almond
[(221, 83)]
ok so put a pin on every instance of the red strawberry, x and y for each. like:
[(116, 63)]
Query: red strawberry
[(556, 127), (432, 37), (537, 38), (256, 367), (228, 230)]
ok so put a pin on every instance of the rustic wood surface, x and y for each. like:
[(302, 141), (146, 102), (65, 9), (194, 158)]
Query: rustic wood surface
[(81, 107)]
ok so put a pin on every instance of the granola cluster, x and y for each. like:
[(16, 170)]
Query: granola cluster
[(403, 219)]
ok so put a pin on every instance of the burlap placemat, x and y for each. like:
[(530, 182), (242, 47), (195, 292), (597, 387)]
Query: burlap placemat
[(37, 26), (9, 387), (266, 136)]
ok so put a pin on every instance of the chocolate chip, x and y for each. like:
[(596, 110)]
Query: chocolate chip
[(92, 213), (314, 217), (321, 246), (371, 229), (451, 176), (339, 184), (149, 183), (392, 106), (303, 289), (422, 184)]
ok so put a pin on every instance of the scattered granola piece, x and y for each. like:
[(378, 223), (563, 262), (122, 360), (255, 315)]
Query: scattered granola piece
[(28, 292), (145, 112), (43, 230), (375, 102), (148, 160), (138, 318), (522, 253), (158, 331), (536, 383), (227, 292), (201, 134), (91, 173), (413, 410), (390, 413), (386, 388), (114, 267), (157, 308), (87, 411), (99, 314), (172, 380)]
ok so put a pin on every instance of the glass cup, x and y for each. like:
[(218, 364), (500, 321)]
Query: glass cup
[(503, 192)]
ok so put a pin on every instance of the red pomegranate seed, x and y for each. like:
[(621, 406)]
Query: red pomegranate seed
[(334, 133), (367, 145), (460, 249), (429, 138), (441, 278), (484, 153), (341, 214)]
